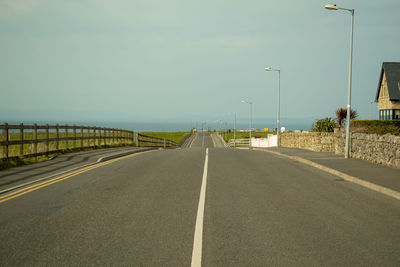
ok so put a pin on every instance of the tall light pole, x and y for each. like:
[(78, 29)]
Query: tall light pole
[(251, 117), (370, 108), (234, 128), (278, 116), (334, 7)]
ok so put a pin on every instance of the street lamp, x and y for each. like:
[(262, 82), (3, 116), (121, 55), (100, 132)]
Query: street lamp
[(334, 7), (278, 116), (251, 117), (234, 128)]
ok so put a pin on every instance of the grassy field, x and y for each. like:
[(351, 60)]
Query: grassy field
[(177, 137)]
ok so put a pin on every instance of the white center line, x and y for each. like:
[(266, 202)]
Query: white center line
[(198, 232)]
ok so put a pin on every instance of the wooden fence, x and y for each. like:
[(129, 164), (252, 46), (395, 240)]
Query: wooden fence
[(23, 141), (144, 140), (37, 140)]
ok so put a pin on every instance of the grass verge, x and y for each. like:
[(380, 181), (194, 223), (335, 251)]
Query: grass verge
[(177, 137)]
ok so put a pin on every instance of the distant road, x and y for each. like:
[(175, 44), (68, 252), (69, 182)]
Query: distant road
[(258, 209)]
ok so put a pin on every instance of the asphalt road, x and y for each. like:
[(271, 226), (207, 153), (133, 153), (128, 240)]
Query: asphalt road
[(260, 210)]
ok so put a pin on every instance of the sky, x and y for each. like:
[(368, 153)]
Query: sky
[(170, 60)]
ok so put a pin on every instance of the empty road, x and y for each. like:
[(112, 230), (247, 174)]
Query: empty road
[(201, 205)]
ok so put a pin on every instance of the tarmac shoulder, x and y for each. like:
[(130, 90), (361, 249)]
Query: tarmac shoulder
[(377, 176)]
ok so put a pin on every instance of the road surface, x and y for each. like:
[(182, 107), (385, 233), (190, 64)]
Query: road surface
[(149, 209)]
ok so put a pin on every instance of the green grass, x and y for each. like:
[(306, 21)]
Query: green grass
[(177, 137)]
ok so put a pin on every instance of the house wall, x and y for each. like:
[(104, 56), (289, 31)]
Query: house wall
[(383, 100)]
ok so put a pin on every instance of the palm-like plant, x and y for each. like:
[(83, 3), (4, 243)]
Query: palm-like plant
[(341, 115)]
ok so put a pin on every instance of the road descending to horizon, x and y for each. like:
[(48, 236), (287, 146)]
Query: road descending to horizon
[(199, 205)]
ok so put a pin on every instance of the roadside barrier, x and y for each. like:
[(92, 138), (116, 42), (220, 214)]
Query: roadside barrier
[(22, 141), (149, 141)]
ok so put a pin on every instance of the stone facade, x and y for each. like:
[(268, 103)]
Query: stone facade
[(381, 149), (309, 140), (383, 101)]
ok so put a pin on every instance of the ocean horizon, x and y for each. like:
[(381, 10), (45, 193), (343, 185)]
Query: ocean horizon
[(291, 124)]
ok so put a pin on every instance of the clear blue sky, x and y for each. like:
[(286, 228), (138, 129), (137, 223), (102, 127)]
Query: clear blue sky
[(129, 60)]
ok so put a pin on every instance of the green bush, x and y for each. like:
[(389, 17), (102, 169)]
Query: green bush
[(324, 125), (380, 127)]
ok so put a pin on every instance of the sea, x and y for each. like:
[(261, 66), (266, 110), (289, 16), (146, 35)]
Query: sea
[(291, 124)]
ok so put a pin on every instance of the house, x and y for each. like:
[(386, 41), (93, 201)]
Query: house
[(388, 92)]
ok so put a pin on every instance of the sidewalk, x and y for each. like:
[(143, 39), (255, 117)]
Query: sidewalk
[(364, 170)]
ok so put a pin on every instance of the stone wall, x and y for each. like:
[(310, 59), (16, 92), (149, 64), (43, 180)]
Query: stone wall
[(381, 149), (309, 140)]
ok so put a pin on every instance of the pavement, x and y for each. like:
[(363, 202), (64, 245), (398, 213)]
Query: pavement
[(380, 175)]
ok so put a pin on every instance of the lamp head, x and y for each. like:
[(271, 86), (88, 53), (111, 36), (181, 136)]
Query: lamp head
[(331, 7), (268, 69)]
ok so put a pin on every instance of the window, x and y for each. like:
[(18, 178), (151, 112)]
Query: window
[(396, 114)]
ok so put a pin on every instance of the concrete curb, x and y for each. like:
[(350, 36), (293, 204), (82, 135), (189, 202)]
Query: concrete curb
[(344, 176), (125, 153)]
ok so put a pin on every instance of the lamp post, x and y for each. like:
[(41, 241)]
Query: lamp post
[(251, 117), (334, 7), (278, 116), (234, 128)]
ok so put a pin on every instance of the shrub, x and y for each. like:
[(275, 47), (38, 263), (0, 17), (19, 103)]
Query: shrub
[(324, 125), (341, 115), (380, 127)]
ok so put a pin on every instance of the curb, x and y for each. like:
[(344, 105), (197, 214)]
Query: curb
[(125, 153), (381, 189)]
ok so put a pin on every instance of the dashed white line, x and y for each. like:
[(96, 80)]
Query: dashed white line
[(198, 232)]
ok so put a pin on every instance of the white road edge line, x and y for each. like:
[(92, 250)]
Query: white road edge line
[(198, 231)]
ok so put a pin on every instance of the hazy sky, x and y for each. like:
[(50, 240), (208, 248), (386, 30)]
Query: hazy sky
[(129, 60)]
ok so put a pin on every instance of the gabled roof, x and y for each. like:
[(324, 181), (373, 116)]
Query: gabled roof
[(392, 72)]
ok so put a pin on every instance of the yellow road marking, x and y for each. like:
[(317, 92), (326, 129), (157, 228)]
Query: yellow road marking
[(195, 137), (35, 187)]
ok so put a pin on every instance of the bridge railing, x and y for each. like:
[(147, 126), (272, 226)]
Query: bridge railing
[(144, 140), (21, 141)]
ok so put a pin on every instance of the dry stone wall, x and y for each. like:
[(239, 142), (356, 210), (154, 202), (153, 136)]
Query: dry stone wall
[(309, 140), (381, 149)]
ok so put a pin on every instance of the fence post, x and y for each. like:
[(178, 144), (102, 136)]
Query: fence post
[(66, 136), (105, 136), (164, 143), (57, 137), (5, 139), (82, 137), (47, 139), (74, 132), (35, 145), (137, 139), (99, 137), (21, 138)]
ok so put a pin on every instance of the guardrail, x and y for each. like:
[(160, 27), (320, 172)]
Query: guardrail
[(238, 142), (21, 141), (144, 140)]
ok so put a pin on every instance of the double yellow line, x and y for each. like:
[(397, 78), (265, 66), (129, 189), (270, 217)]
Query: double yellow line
[(57, 179)]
